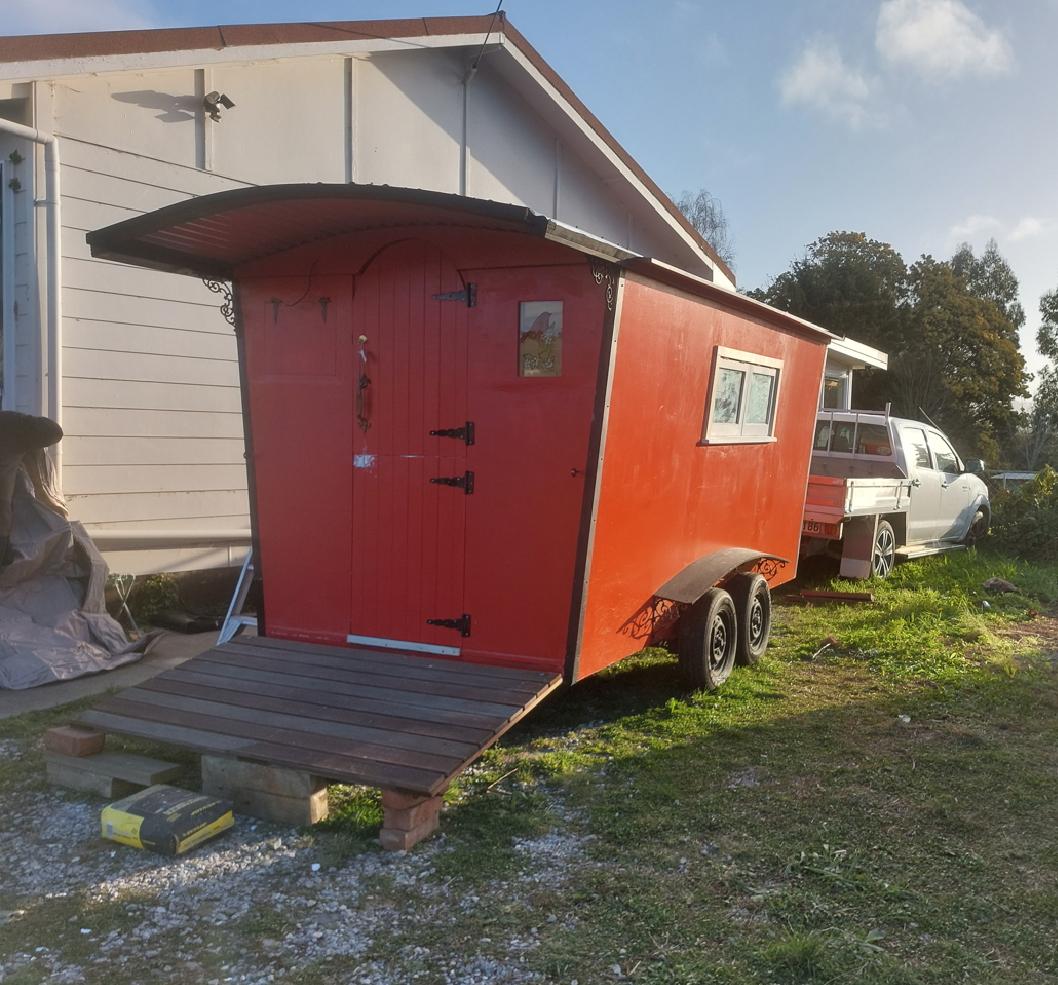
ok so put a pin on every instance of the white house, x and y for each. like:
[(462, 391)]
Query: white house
[(139, 367)]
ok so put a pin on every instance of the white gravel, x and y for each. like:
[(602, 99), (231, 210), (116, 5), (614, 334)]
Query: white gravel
[(249, 907)]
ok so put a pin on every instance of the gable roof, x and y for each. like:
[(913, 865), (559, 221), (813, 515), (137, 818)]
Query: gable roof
[(39, 53)]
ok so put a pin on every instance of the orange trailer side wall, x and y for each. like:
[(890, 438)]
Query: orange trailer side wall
[(665, 498)]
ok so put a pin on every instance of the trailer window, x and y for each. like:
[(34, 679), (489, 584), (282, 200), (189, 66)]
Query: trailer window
[(540, 338), (742, 399)]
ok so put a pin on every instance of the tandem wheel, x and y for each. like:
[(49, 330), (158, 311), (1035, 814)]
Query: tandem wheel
[(709, 640), (752, 599)]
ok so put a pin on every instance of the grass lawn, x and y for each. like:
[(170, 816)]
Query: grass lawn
[(875, 802)]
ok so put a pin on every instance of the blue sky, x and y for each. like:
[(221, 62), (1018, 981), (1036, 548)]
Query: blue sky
[(919, 122)]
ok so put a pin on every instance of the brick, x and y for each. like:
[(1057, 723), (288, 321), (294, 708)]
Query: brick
[(141, 771), (401, 799), (277, 780), (86, 781), (409, 818), (74, 740), (395, 840), (297, 811)]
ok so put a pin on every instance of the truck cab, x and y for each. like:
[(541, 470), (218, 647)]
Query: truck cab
[(900, 487)]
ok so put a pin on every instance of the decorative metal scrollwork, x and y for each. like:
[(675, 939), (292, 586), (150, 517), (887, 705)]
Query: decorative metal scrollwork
[(606, 277), (223, 288), (769, 567)]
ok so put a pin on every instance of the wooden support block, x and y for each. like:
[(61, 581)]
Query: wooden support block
[(273, 793), (140, 771), (86, 781), (74, 740), (407, 819)]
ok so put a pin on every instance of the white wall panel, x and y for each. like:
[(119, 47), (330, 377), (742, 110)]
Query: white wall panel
[(89, 421), (409, 120), (145, 511)]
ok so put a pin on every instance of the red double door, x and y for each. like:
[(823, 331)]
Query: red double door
[(415, 491)]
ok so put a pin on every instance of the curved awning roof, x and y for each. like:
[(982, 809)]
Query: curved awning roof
[(213, 235)]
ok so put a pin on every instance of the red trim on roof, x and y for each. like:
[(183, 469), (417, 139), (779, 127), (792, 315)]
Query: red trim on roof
[(44, 47)]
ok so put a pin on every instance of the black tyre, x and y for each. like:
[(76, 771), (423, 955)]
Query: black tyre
[(978, 529), (709, 639), (752, 599), (883, 555)]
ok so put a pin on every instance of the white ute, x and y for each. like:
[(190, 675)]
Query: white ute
[(883, 487)]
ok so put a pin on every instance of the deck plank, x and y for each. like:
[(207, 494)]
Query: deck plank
[(355, 715), (360, 711), (509, 674), (291, 714), (302, 739), (467, 698), (426, 670)]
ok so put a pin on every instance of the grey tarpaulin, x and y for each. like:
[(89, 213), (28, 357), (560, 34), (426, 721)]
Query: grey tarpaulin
[(53, 622)]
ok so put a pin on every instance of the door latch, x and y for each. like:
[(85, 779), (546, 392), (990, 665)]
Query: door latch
[(464, 434), (464, 481), (462, 624)]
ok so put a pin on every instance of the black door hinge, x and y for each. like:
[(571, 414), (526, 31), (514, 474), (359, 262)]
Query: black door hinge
[(469, 295), (465, 481), (462, 624), (464, 434)]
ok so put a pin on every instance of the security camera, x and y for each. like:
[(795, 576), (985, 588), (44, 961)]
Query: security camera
[(213, 101)]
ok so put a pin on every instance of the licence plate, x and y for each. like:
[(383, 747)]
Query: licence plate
[(816, 528)]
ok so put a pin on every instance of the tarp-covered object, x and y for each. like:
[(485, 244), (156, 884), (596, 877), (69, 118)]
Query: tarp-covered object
[(53, 622)]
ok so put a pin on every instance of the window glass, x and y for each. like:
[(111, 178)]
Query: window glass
[(728, 396), (841, 441), (834, 393), (758, 405), (873, 439), (822, 440), (915, 448), (540, 338), (943, 455)]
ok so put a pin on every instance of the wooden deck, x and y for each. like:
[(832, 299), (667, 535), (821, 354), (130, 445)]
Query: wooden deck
[(374, 717)]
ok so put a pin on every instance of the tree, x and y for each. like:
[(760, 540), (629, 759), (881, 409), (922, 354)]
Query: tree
[(706, 214), (1047, 334), (1041, 421), (947, 326), (990, 278)]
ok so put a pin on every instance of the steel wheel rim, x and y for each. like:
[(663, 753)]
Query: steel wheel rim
[(756, 623), (718, 644), (884, 551)]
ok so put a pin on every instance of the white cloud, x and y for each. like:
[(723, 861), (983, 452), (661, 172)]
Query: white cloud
[(70, 16), (821, 79), (1028, 227), (940, 39), (973, 227)]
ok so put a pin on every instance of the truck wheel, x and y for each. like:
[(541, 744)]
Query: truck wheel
[(752, 599), (978, 528), (709, 639), (883, 557)]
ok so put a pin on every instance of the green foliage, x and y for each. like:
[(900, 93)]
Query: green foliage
[(1047, 334), (153, 594), (1025, 520), (950, 329)]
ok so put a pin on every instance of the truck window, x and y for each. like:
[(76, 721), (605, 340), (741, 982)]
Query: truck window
[(943, 454), (915, 448), (822, 441), (873, 439)]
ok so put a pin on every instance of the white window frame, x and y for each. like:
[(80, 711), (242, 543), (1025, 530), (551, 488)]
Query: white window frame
[(7, 292), (740, 432)]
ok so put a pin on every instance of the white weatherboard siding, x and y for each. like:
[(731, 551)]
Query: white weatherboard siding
[(151, 395)]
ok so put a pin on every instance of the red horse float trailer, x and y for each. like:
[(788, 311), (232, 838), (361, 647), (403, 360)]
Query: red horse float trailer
[(487, 454)]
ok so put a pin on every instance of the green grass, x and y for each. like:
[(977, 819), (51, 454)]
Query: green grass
[(880, 810)]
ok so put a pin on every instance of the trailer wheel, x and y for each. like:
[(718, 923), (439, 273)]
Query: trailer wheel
[(752, 599), (883, 555), (709, 640)]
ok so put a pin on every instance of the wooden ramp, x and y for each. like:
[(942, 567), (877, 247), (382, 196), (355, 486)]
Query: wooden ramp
[(380, 718)]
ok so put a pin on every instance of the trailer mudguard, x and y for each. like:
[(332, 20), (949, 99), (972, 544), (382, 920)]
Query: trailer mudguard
[(699, 576)]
